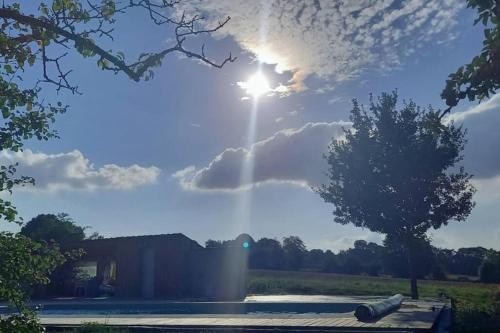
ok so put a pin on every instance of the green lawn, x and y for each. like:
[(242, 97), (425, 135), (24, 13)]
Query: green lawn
[(476, 305)]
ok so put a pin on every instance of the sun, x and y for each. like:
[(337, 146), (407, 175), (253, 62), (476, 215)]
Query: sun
[(257, 85)]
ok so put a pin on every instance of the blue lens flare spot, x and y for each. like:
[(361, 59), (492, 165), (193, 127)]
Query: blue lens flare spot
[(246, 245)]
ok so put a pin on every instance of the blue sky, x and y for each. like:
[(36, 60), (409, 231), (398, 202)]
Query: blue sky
[(156, 157)]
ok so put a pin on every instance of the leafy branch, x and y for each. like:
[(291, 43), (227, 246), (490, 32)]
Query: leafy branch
[(481, 77), (74, 24)]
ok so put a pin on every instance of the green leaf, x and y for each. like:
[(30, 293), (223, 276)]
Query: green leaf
[(8, 69), (5, 112)]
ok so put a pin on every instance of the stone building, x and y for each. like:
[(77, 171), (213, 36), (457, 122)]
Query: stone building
[(169, 266)]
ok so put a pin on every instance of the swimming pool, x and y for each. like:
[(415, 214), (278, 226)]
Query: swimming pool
[(174, 308), (262, 306)]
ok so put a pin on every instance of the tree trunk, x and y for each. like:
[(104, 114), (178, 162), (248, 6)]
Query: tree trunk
[(413, 273)]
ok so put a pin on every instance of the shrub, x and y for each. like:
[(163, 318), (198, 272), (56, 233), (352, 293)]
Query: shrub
[(25, 323)]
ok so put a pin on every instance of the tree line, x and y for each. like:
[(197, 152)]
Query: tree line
[(363, 258), (369, 258)]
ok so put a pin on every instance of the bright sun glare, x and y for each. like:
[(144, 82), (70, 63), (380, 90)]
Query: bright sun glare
[(257, 85)]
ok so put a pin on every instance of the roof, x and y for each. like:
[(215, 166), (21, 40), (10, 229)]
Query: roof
[(176, 236)]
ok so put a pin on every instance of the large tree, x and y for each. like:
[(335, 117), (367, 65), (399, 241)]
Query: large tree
[(295, 251), (396, 172), (481, 77)]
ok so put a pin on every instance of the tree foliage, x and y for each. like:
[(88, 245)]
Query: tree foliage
[(396, 172), (23, 264), (59, 228), (267, 253), (39, 40), (490, 269), (21, 323), (62, 230), (295, 250), (82, 26), (481, 77)]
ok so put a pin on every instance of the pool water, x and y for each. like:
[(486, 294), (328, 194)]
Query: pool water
[(203, 308), (256, 304), (177, 308)]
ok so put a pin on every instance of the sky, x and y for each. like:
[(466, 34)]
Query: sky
[(193, 151)]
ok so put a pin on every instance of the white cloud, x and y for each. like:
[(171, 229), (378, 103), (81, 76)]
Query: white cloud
[(72, 171), (488, 189), (336, 99), (493, 104), (295, 155), (336, 40), (291, 156)]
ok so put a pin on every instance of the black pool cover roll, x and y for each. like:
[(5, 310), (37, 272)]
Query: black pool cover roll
[(378, 309)]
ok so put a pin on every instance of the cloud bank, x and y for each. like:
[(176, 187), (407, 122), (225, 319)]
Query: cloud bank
[(289, 156), (295, 155), (336, 40), (72, 171)]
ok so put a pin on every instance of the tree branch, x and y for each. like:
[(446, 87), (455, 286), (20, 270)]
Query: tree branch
[(184, 29)]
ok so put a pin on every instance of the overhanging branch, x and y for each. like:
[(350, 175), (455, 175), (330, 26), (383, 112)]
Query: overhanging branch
[(184, 28)]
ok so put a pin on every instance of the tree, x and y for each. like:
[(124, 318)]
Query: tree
[(49, 227), (267, 253), (295, 250), (368, 254), (23, 264), (490, 269), (62, 230), (38, 41), (331, 263), (396, 173), (315, 260), (396, 254), (481, 76), (465, 261)]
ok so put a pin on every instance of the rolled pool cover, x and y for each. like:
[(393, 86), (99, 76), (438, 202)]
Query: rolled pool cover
[(375, 310)]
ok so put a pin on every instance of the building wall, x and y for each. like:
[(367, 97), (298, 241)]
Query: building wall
[(181, 268)]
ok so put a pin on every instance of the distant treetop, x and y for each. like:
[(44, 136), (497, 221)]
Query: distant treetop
[(49, 227)]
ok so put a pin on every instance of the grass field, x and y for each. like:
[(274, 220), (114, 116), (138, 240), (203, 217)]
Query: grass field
[(476, 305)]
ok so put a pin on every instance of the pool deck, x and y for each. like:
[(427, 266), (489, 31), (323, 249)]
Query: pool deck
[(426, 315)]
